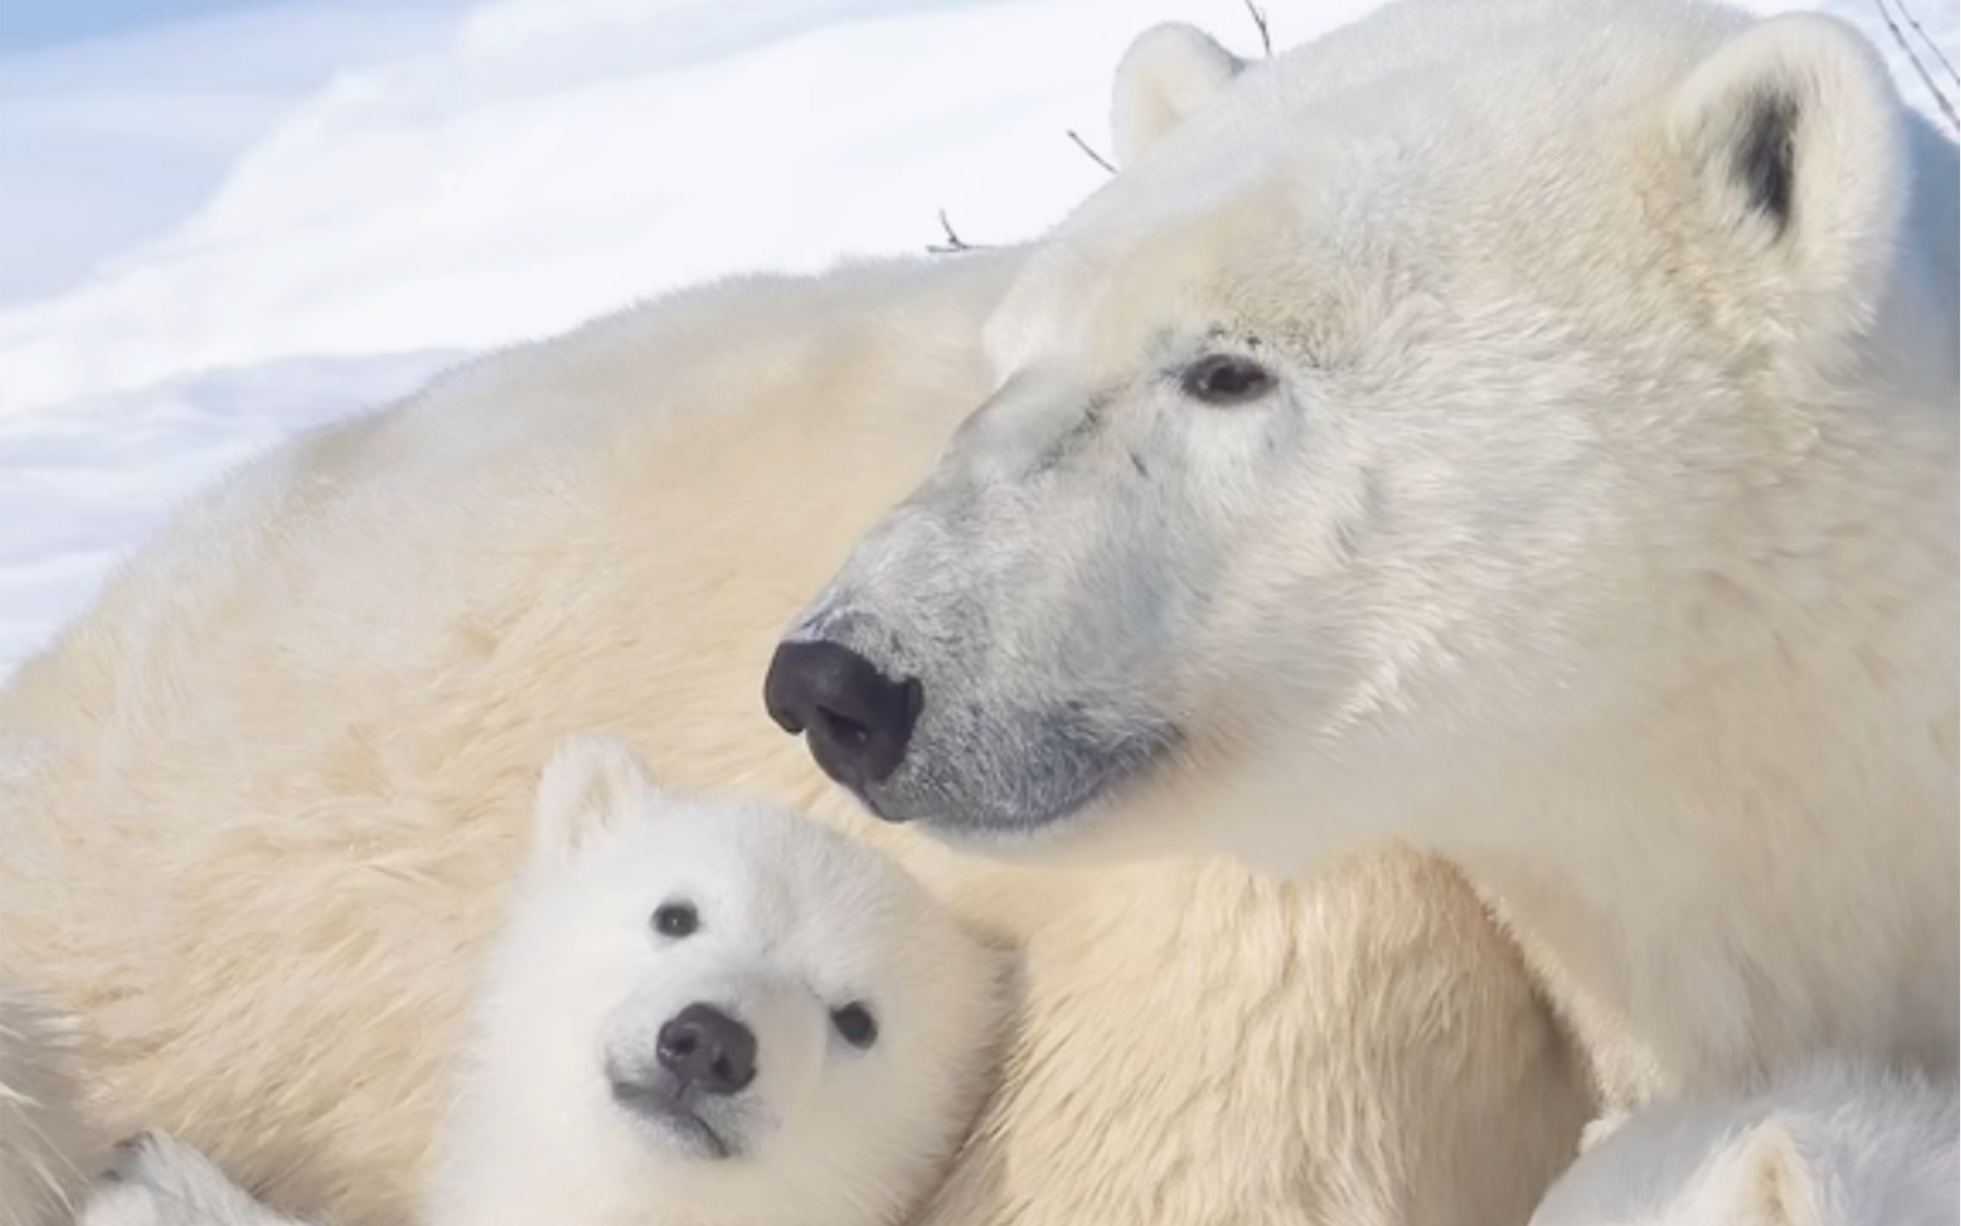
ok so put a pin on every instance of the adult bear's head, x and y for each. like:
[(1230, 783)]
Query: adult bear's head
[(1393, 417)]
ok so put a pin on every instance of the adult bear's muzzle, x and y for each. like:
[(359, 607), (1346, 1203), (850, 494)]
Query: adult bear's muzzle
[(856, 721)]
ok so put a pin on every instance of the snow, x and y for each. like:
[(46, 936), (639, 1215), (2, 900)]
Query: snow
[(108, 140), (558, 157), (229, 230)]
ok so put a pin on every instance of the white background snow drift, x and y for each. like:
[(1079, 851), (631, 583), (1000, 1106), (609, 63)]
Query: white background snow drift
[(217, 233)]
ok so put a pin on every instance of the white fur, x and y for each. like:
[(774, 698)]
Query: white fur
[(1168, 72), (157, 1180), (795, 920), (1839, 1144), (319, 927), (1593, 527), (297, 740)]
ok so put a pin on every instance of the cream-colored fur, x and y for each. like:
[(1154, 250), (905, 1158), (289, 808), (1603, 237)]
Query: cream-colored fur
[(1357, 956), (48, 1152), (1307, 1090), (577, 1100), (297, 738), (1524, 428), (49, 1148)]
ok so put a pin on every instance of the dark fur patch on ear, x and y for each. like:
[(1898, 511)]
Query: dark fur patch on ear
[(1766, 157)]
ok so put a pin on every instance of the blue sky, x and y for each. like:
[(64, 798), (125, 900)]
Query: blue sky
[(27, 25)]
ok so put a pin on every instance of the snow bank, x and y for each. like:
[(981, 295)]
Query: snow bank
[(559, 157)]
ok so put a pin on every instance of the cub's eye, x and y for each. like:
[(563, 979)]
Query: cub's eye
[(855, 1025), (1226, 379), (676, 919)]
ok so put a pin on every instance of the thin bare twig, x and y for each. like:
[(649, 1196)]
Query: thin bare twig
[(1094, 156), (1899, 37), (1259, 21), (954, 244), (1933, 48)]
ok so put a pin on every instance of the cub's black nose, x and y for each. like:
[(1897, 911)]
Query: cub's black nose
[(856, 722), (707, 1049)]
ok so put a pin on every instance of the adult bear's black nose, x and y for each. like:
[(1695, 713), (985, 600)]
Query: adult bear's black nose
[(856, 722), (707, 1049)]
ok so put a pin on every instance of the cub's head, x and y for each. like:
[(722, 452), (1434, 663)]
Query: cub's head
[(723, 1005), (1398, 413)]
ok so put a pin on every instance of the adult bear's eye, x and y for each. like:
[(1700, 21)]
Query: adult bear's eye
[(676, 919), (1226, 379), (855, 1025)]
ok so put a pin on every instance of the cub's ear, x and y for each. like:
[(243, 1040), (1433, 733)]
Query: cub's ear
[(590, 783), (1764, 1180), (1169, 72), (1799, 141)]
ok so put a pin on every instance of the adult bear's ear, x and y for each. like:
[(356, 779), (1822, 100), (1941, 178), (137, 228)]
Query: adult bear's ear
[(590, 783), (1798, 142), (1169, 72)]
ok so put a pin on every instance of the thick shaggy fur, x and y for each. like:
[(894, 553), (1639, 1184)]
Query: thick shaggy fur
[(296, 738), (1343, 1011), (1525, 429), (47, 1150), (575, 1105)]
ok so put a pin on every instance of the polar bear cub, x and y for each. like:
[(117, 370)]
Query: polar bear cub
[(1839, 1144), (700, 1012), (717, 1008)]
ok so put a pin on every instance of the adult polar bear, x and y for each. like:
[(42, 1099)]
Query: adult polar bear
[(1527, 429), (281, 772)]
